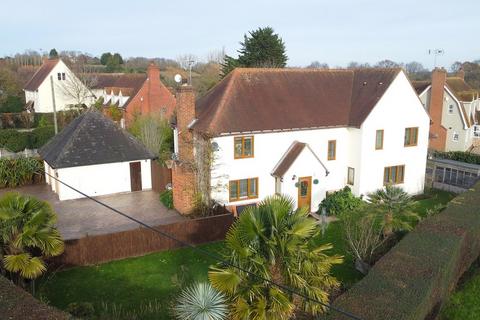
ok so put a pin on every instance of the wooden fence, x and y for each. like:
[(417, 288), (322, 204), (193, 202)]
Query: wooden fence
[(103, 248), (161, 176)]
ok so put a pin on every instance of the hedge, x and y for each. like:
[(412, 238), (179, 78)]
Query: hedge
[(416, 276), (17, 304), (17, 141), (467, 157)]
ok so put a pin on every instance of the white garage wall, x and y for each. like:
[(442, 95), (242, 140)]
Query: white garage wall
[(100, 179)]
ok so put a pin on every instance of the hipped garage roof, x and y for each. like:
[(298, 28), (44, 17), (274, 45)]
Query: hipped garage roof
[(92, 139)]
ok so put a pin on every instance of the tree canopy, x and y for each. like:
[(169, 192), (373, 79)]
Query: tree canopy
[(260, 48), (53, 54)]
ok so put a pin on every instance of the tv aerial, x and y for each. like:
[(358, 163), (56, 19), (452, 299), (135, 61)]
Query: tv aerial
[(435, 53)]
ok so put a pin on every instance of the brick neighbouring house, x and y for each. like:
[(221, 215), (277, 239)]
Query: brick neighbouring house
[(135, 94)]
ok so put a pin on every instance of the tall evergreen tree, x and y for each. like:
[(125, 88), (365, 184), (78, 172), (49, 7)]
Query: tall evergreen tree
[(105, 57), (53, 54), (260, 48)]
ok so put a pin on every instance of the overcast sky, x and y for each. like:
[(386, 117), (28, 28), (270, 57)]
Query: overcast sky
[(334, 31)]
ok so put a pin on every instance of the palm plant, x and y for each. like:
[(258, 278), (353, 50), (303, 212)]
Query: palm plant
[(27, 235), (201, 302), (395, 204), (280, 244)]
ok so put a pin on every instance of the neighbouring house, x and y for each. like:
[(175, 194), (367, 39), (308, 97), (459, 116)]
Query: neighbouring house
[(134, 94), (454, 108), (68, 90), (97, 157), (298, 132)]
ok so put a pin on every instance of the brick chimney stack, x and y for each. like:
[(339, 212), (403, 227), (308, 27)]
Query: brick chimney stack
[(438, 133), (183, 173)]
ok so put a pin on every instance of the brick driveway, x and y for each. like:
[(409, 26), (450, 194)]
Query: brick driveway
[(81, 217)]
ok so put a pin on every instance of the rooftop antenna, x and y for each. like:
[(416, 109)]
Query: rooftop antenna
[(190, 64), (436, 53)]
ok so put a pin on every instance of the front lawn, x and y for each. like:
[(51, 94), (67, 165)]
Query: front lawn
[(129, 285)]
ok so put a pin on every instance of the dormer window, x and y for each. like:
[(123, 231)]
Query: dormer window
[(243, 147)]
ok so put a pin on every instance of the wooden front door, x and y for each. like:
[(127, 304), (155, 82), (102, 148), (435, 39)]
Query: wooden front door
[(305, 192), (135, 176)]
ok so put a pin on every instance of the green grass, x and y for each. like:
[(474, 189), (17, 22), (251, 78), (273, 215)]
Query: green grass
[(130, 282), (432, 198), (133, 282), (464, 304)]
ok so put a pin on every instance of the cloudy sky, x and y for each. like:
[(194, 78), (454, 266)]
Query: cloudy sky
[(335, 32)]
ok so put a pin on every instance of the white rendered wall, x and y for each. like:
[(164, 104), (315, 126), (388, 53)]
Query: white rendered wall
[(101, 179), (399, 108), (62, 100)]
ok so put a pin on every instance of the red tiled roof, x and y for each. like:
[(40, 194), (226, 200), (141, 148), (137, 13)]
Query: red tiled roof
[(118, 80), (288, 159), (40, 75), (282, 99)]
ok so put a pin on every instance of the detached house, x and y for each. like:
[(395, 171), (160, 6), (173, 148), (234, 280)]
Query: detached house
[(97, 157), (135, 94), (299, 132), (67, 90), (454, 109)]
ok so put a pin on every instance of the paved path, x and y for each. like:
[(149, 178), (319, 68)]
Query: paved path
[(77, 218)]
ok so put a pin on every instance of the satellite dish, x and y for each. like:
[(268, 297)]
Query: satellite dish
[(178, 78)]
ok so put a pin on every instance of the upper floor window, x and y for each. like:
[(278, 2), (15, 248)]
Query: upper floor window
[(456, 136), (243, 147), (411, 137), (332, 150), (393, 175), (63, 75), (450, 109), (379, 140), (59, 76), (243, 189)]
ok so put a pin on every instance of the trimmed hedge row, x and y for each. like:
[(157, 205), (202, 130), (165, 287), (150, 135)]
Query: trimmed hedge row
[(17, 304), (17, 141), (415, 277), (467, 157)]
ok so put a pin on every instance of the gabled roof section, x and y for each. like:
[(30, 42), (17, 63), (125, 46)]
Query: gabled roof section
[(250, 100), (288, 159), (421, 86), (118, 80), (92, 139), (41, 74), (462, 90)]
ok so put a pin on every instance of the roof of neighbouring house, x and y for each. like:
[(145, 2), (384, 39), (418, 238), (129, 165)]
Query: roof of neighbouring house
[(288, 159), (133, 81), (92, 139), (458, 86), (39, 76), (285, 99)]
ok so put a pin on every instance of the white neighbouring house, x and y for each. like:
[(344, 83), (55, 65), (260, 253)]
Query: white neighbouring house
[(97, 157), (302, 133), (68, 89)]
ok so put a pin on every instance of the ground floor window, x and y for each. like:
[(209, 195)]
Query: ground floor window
[(393, 175), (243, 189), (351, 176)]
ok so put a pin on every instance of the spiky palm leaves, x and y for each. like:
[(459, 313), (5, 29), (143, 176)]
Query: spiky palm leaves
[(395, 204), (201, 302), (27, 234), (277, 243)]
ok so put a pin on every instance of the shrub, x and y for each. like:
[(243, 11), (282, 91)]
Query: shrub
[(166, 197), (80, 309), (17, 143), (44, 121), (412, 280), (201, 301), (40, 136), (6, 134), (13, 104), (17, 172), (339, 202), (462, 156)]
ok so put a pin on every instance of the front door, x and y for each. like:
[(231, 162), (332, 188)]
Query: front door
[(135, 176), (305, 192)]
